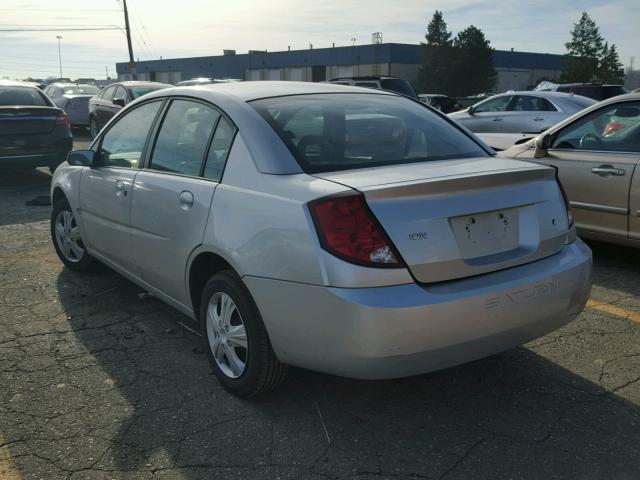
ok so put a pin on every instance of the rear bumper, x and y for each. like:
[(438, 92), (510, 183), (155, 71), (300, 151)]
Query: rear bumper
[(402, 330), (78, 117)]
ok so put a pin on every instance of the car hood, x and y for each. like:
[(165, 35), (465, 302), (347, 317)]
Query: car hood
[(517, 150)]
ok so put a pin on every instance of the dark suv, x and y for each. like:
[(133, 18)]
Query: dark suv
[(113, 98), (398, 85), (597, 91)]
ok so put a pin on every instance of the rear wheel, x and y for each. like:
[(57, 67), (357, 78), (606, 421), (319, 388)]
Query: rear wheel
[(235, 338), (65, 234)]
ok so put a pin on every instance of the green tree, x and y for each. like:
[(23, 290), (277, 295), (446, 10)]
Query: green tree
[(473, 63), (435, 73), (610, 68), (583, 51)]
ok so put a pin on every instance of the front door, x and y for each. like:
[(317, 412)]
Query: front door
[(488, 116), (172, 199), (106, 188), (597, 157)]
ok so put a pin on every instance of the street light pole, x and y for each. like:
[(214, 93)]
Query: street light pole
[(59, 54)]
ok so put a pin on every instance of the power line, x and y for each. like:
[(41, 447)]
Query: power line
[(57, 29)]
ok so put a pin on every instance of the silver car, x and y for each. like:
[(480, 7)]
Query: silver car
[(520, 112), (73, 98), (341, 229)]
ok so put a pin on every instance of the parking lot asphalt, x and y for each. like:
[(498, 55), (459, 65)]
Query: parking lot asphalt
[(97, 382)]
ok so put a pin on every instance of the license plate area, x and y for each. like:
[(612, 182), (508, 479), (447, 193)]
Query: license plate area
[(488, 233)]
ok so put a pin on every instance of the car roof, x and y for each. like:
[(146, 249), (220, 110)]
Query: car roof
[(253, 90), (138, 83), (16, 83), (70, 84), (366, 77)]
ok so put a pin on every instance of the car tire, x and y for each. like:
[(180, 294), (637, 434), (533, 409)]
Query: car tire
[(227, 310), (65, 235), (93, 128)]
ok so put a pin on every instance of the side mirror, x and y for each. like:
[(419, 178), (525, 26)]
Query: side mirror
[(118, 101), (542, 144), (471, 110), (81, 158)]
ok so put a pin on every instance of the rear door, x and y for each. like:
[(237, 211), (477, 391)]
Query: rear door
[(105, 189), (596, 164), (529, 114), (173, 194)]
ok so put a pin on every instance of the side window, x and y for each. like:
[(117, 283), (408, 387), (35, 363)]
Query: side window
[(614, 128), (123, 143), (367, 84), (219, 150), (108, 94), (120, 93), (183, 138), (498, 104), (529, 103)]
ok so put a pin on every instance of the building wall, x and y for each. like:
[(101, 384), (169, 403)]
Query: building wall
[(516, 70)]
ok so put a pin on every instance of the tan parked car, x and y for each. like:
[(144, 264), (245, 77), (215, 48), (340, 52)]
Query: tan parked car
[(597, 152)]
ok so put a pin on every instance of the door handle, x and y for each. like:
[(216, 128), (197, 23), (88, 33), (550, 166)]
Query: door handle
[(120, 190), (538, 119), (606, 170), (497, 119), (186, 199)]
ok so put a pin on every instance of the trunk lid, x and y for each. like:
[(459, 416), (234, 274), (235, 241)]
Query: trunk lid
[(23, 121), (79, 103), (457, 218)]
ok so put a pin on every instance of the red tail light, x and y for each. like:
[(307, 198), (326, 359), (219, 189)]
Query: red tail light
[(348, 229), (63, 120), (567, 205)]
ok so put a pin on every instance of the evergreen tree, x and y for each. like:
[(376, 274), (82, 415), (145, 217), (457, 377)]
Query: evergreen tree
[(435, 73), (473, 63), (437, 34), (610, 68), (583, 51)]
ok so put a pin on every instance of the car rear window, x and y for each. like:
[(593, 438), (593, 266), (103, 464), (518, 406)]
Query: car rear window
[(22, 96), (398, 85), (329, 132), (140, 91), (80, 90)]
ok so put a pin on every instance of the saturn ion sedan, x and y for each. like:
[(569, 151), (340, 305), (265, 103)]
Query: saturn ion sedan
[(346, 230)]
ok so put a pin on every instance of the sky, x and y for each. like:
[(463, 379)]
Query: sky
[(188, 28)]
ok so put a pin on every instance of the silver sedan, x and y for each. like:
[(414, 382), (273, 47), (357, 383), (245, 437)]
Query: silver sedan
[(73, 98), (521, 112), (341, 229)]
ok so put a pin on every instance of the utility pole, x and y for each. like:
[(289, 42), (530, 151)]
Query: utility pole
[(132, 65), (59, 54)]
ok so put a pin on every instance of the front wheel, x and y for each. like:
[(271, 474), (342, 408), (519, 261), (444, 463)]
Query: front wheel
[(235, 338), (65, 234)]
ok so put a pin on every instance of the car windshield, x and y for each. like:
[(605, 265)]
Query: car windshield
[(329, 132), (143, 90), (21, 96), (81, 90), (398, 85)]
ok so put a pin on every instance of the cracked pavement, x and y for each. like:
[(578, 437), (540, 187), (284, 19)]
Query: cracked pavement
[(98, 383)]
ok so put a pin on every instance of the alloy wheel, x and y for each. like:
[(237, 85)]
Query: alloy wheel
[(227, 335), (68, 238)]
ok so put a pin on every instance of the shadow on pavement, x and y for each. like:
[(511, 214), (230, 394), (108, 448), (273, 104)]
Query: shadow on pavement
[(157, 407), (16, 188), (616, 267)]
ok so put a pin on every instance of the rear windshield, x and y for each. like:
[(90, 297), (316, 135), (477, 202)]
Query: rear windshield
[(398, 85), (329, 132), (81, 90), (583, 102), (22, 96), (140, 91), (597, 92)]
